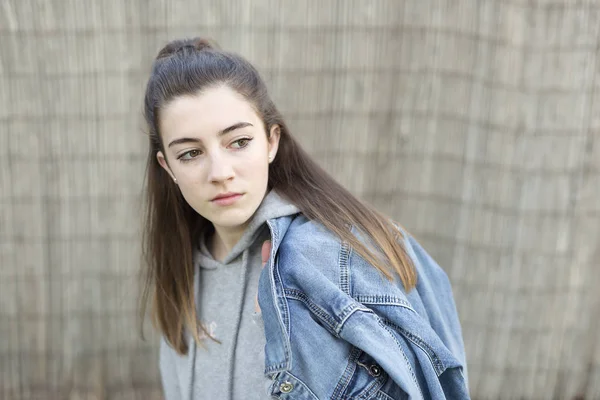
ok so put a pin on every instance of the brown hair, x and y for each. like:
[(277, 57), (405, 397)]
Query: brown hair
[(187, 67)]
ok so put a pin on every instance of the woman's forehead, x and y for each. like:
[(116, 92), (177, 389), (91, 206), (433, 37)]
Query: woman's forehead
[(207, 113)]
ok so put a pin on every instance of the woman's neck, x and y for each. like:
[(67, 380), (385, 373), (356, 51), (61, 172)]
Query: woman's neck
[(222, 241)]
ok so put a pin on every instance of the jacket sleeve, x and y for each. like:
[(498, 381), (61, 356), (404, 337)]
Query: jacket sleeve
[(168, 372), (416, 336), (434, 300)]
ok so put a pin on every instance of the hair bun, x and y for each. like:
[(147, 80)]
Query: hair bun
[(186, 45)]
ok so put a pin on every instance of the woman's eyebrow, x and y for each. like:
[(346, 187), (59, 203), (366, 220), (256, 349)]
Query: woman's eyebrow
[(225, 131)]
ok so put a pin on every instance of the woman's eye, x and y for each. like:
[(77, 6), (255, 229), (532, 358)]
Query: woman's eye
[(242, 143), (190, 155)]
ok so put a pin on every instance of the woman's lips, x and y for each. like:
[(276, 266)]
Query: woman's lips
[(226, 201)]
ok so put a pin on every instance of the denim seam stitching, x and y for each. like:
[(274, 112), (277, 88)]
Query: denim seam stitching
[(437, 364), (367, 393), (383, 396), (280, 303), (315, 309), (335, 326), (347, 313), (344, 268), (342, 385), (403, 355), (350, 308), (383, 300), (275, 367)]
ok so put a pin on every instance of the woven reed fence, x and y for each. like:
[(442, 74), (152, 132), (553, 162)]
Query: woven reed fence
[(476, 124)]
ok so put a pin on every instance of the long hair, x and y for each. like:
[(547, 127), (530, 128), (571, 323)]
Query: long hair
[(171, 226)]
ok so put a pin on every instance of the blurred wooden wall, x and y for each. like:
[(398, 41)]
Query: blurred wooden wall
[(476, 124)]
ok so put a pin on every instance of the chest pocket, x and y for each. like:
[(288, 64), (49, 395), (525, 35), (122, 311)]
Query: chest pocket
[(365, 380)]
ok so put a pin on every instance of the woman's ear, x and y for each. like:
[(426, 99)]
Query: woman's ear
[(274, 136), (163, 163)]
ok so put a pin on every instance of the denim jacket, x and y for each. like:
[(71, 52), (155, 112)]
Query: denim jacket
[(336, 328)]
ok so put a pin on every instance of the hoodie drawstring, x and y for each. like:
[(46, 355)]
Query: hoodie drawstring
[(240, 302)]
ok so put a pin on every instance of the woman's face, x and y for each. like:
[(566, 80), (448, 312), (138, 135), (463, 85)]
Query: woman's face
[(215, 143)]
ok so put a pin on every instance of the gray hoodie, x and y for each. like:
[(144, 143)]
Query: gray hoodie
[(225, 295)]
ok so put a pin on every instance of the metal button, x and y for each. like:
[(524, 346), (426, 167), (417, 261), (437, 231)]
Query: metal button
[(286, 387), (375, 370)]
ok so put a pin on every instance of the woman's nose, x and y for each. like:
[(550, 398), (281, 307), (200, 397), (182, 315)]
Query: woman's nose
[(220, 169)]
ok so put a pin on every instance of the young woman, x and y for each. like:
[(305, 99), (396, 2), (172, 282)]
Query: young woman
[(268, 278)]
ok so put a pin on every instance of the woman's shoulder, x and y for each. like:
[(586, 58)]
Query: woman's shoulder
[(307, 233), (309, 242), (310, 250), (308, 245)]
